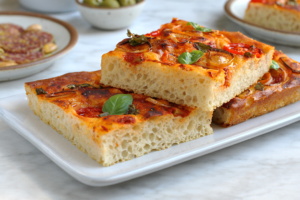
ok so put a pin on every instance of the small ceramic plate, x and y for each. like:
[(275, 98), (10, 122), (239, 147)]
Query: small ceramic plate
[(110, 18), (16, 113), (235, 10), (65, 37)]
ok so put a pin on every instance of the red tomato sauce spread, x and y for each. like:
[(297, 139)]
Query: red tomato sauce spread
[(82, 92), (134, 58), (91, 101), (175, 38)]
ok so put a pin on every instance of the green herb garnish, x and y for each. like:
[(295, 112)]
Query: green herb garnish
[(190, 58), (274, 65), (259, 86), (248, 54), (133, 110), (40, 91), (202, 47), (136, 39), (197, 27), (118, 104)]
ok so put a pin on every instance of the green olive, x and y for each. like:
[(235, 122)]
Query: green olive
[(92, 2), (127, 2), (110, 4)]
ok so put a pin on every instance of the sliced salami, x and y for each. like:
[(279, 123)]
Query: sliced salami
[(43, 37), (22, 58), (10, 30), (20, 45)]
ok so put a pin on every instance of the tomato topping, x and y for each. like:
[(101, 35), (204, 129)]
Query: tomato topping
[(258, 1), (174, 20), (164, 57), (126, 120), (277, 76), (89, 111), (241, 49), (134, 58), (153, 33)]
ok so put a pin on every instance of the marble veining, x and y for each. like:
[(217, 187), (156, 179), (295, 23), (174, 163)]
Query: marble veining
[(266, 167)]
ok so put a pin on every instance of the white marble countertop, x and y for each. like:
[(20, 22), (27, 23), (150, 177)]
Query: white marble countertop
[(265, 167)]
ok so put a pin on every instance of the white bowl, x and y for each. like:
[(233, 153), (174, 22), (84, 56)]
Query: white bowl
[(49, 5), (110, 18), (64, 34)]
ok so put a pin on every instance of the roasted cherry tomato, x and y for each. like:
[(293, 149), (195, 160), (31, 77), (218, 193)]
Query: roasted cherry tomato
[(154, 33), (241, 48), (258, 1)]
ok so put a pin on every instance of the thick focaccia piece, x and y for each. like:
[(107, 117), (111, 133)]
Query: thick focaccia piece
[(231, 63), (276, 89), (72, 103), (275, 14)]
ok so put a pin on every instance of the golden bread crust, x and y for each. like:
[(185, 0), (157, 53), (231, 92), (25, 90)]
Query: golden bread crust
[(220, 74), (72, 103)]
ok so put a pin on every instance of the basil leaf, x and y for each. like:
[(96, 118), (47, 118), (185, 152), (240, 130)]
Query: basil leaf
[(185, 58), (197, 27), (190, 58), (117, 104), (274, 65)]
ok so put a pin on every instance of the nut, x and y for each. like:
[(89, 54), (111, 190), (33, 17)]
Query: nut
[(49, 48), (7, 63), (34, 27)]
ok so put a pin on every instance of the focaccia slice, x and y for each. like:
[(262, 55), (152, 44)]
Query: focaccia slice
[(276, 89), (275, 14), (72, 105), (231, 62)]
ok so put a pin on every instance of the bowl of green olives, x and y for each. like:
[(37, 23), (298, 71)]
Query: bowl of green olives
[(110, 14)]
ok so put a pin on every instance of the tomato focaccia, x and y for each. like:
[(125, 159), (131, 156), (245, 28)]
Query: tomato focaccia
[(277, 88), (187, 64), (276, 14), (72, 104)]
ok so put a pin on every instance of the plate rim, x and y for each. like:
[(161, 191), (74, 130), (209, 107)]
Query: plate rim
[(227, 8), (71, 30)]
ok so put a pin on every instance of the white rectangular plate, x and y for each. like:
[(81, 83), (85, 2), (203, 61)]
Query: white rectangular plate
[(17, 114)]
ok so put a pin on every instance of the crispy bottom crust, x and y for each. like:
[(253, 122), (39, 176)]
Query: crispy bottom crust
[(228, 117)]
